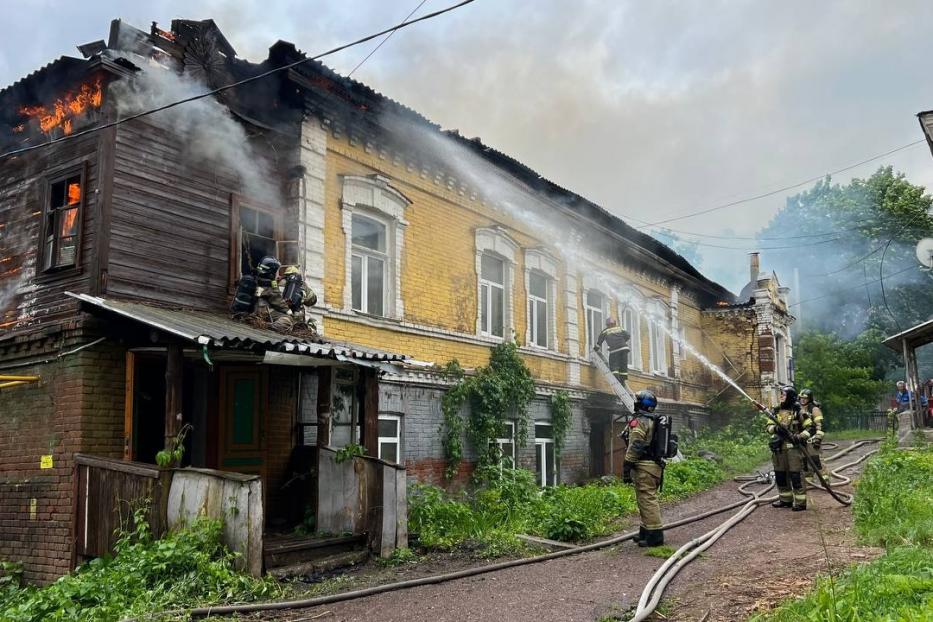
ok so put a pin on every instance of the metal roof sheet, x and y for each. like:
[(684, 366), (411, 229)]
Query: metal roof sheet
[(220, 331), (915, 336)]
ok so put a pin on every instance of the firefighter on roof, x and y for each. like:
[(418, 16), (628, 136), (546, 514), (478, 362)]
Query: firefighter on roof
[(788, 442), (649, 440), (815, 413), (617, 339)]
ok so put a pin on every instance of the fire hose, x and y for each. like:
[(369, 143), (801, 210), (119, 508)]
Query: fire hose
[(654, 589), (201, 612)]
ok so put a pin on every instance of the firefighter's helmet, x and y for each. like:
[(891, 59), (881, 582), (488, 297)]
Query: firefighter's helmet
[(645, 400)]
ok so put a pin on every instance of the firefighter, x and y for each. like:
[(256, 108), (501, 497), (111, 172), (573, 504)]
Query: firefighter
[(814, 446), (617, 339), (282, 302), (786, 453), (644, 468)]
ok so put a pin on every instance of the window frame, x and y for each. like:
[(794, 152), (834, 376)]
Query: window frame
[(496, 242), (486, 313), (541, 445), (539, 262), (506, 440), (237, 202), (657, 344), (633, 327), (43, 271), (593, 331), (373, 197), (397, 439), (365, 254)]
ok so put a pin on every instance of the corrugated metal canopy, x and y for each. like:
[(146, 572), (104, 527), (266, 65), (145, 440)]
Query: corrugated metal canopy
[(915, 337), (220, 331)]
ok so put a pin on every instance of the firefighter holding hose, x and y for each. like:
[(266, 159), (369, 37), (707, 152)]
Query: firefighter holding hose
[(649, 441), (789, 437)]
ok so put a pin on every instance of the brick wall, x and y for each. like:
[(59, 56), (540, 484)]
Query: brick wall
[(76, 407), (281, 437), (422, 432)]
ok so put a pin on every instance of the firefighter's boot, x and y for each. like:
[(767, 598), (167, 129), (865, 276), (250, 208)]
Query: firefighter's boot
[(653, 537), (640, 536)]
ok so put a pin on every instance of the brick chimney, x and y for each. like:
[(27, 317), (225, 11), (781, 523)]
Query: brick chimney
[(754, 267)]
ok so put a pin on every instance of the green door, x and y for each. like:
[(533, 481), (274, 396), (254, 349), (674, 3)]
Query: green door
[(242, 414)]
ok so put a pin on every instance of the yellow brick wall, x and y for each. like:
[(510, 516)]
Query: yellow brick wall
[(438, 274)]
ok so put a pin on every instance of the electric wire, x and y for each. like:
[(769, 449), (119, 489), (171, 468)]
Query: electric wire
[(232, 85), (884, 296), (387, 37), (788, 187)]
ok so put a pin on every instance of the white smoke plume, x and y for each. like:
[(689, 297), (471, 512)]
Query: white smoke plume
[(208, 132)]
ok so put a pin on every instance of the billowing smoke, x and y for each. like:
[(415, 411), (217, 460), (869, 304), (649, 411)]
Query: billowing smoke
[(207, 130)]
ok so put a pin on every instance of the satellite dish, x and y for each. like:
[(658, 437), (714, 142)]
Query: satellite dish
[(925, 252)]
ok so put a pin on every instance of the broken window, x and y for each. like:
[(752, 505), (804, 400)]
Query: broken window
[(390, 437), (368, 279), (62, 222), (492, 295), (257, 238)]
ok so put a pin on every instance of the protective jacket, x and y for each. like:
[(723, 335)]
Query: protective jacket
[(815, 414), (640, 435), (616, 337), (795, 420)]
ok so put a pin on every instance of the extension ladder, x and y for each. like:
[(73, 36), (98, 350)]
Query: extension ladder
[(625, 396)]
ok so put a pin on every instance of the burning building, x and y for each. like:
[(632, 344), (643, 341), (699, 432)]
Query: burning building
[(121, 247)]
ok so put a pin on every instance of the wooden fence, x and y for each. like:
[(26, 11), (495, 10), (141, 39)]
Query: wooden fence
[(363, 495), (106, 494), (875, 420)]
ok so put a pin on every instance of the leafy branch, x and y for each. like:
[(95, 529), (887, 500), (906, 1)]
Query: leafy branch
[(561, 416), (175, 450)]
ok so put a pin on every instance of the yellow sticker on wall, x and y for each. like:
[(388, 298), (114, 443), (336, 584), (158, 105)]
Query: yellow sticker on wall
[(45, 462)]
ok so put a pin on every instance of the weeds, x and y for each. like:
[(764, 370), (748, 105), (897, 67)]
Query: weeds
[(661, 552), (185, 568), (893, 507)]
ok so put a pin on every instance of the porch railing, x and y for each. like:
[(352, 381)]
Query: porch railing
[(107, 492)]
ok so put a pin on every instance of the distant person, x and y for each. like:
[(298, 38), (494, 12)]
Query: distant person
[(903, 398), (617, 339)]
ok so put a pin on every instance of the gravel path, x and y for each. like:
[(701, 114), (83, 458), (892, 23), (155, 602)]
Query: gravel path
[(769, 556)]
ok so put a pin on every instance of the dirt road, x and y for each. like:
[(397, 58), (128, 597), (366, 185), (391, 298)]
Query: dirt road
[(769, 556)]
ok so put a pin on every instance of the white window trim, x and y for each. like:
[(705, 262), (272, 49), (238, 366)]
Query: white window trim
[(397, 439), (657, 345), (499, 442), (486, 283), (495, 241), (631, 301), (586, 315), (541, 446), (374, 198), (363, 253), (539, 260)]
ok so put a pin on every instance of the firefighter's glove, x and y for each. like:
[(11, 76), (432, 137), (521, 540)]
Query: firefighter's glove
[(627, 472), (775, 444)]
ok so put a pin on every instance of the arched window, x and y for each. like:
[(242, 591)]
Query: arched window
[(658, 317), (630, 301), (495, 269), (541, 287), (374, 225)]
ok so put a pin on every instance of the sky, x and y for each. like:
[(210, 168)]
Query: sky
[(651, 109)]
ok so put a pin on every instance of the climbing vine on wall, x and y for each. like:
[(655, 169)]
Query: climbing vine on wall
[(496, 393), (560, 419)]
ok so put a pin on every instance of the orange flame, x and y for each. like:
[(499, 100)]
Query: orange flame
[(5, 324), (74, 193), (66, 108)]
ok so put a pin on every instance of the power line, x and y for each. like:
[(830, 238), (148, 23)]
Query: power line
[(839, 291), (788, 187), (232, 85), (760, 248), (388, 36)]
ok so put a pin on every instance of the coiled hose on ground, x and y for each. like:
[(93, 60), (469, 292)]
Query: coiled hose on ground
[(200, 612), (654, 589)]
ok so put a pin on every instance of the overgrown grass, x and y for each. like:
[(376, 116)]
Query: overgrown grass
[(186, 568), (508, 502), (893, 507)]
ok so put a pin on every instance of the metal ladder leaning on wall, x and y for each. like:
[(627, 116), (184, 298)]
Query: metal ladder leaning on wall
[(625, 396)]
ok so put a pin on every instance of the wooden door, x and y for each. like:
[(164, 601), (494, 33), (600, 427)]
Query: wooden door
[(242, 420)]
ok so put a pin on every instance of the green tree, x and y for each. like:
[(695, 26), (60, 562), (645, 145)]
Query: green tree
[(840, 373)]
